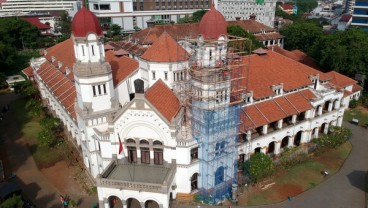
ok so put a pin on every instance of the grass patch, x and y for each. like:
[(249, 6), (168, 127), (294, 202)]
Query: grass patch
[(299, 178), (358, 113), (30, 127)]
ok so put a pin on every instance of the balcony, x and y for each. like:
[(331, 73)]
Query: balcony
[(130, 176)]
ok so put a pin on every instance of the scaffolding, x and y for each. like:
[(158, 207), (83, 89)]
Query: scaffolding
[(212, 94)]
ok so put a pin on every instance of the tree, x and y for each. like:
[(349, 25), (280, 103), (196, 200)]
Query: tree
[(336, 137), (25, 88), (259, 166), (248, 46), (301, 35), (7, 55), (65, 25), (3, 83), (343, 51), (114, 32), (196, 17), (13, 202)]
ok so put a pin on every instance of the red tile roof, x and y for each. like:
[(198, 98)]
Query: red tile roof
[(303, 58), (36, 22), (182, 31), (345, 18), (62, 87), (357, 88), (340, 81), (121, 67), (163, 99), (165, 49), (276, 109), (28, 72), (273, 69), (287, 6)]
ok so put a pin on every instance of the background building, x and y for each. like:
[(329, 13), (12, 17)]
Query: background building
[(17, 7), (245, 9), (360, 14)]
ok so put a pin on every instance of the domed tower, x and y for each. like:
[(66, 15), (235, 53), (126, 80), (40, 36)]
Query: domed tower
[(214, 119), (96, 102), (93, 76)]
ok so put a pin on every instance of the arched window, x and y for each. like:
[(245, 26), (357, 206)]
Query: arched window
[(194, 182), (156, 142), (130, 141), (144, 142), (219, 175)]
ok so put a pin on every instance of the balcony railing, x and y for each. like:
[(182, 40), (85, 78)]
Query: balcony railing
[(168, 173)]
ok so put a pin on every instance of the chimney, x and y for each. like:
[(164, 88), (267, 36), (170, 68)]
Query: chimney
[(151, 23), (139, 86), (253, 17)]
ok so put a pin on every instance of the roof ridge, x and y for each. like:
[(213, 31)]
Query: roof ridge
[(280, 106), (249, 116), (261, 112), (292, 103)]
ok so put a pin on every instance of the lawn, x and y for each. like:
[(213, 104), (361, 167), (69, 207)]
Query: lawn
[(359, 113), (297, 179), (30, 127)]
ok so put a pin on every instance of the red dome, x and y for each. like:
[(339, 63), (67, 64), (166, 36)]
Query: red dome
[(85, 22), (212, 25)]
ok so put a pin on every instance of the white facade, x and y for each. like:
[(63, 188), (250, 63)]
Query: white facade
[(16, 7), (265, 13), (139, 154)]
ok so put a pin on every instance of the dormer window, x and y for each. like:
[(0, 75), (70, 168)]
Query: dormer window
[(314, 80), (53, 58), (278, 89), (248, 97)]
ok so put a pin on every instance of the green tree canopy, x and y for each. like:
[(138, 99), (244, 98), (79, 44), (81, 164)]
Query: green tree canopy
[(301, 35), (259, 166), (18, 33), (248, 46), (14, 201), (343, 51), (196, 17)]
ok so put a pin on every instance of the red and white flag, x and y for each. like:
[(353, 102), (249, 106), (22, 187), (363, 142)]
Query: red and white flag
[(120, 145)]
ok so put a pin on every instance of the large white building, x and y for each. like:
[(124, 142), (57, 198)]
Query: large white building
[(178, 118), (263, 11), (21, 7)]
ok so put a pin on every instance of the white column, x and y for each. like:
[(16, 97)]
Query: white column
[(264, 129), (263, 150), (325, 130), (291, 141), (330, 104), (293, 119), (339, 121), (277, 147), (279, 124)]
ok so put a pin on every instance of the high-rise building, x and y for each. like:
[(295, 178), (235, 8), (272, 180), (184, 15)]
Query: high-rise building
[(134, 14), (263, 12), (360, 14), (9, 7)]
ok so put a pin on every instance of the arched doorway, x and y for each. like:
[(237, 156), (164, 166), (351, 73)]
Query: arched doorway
[(322, 128), (114, 202), (133, 203), (271, 148), (194, 182), (298, 138), (257, 150), (151, 204), (285, 142)]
